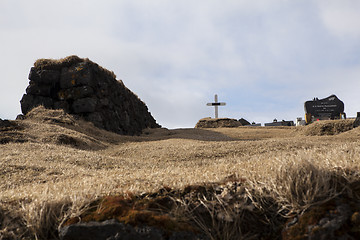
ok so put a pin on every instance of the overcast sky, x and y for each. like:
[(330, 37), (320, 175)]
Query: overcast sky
[(264, 58)]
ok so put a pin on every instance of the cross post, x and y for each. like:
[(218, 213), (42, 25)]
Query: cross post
[(216, 104)]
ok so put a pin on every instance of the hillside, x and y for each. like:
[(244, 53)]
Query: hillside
[(258, 183)]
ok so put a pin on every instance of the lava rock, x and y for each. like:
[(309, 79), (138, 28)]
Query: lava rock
[(30, 101), (76, 75), (41, 90), (43, 76), (76, 93), (84, 105), (84, 89)]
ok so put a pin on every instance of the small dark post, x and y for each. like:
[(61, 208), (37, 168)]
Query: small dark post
[(357, 120)]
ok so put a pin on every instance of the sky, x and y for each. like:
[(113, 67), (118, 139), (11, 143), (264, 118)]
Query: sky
[(264, 58)]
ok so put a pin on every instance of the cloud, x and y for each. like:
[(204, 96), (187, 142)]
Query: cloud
[(341, 18)]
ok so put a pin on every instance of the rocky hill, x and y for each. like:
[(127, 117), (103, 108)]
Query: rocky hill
[(84, 89)]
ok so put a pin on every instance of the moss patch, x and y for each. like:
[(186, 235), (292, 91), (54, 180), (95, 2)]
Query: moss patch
[(136, 212)]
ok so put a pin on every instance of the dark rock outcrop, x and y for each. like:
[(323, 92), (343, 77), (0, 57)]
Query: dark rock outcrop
[(84, 89)]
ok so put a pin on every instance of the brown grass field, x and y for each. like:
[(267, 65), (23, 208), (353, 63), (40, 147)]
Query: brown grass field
[(52, 166)]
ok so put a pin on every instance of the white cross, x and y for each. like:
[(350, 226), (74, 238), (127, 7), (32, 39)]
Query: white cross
[(216, 104)]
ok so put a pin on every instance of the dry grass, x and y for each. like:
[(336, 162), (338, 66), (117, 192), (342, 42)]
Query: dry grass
[(62, 164), (57, 64), (328, 127)]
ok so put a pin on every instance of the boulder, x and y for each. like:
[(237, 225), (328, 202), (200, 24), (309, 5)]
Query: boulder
[(84, 89)]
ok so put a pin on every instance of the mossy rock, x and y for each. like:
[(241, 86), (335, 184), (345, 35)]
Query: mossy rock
[(217, 123)]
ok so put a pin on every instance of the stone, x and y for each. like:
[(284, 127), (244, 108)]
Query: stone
[(75, 93), (110, 229), (49, 76), (327, 108), (34, 75), (44, 76), (113, 230), (84, 89), (79, 74), (29, 101), (244, 122), (84, 105), (40, 90), (357, 120), (62, 105), (96, 119)]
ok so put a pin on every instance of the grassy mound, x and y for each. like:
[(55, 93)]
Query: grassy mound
[(328, 127), (351, 134), (217, 123), (42, 125), (45, 115)]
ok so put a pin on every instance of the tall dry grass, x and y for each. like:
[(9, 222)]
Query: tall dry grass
[(57, 64), (45, 180)]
